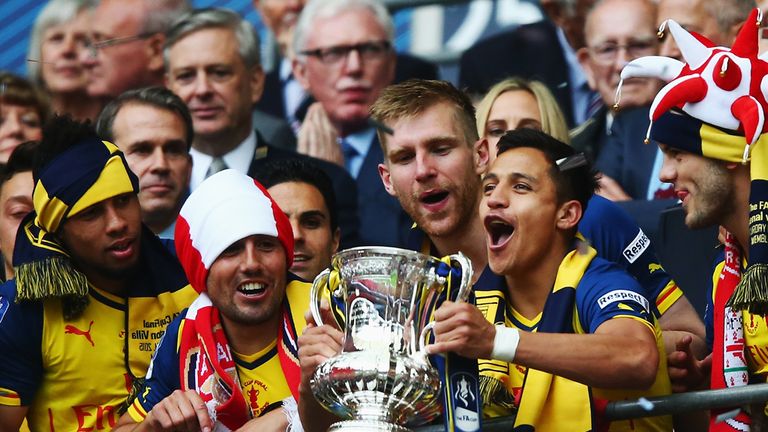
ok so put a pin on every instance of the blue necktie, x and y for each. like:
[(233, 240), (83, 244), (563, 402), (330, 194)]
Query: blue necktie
[(349, 154)]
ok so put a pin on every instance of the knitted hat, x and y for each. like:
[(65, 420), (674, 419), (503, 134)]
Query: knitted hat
[(227, 207), (714, 105)]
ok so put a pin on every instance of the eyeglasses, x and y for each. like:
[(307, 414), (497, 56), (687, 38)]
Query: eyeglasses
[(607, 52), (94, 46), (374, 50)]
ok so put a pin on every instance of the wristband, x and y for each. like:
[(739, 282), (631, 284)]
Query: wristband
[(505, 343), (291, 411)]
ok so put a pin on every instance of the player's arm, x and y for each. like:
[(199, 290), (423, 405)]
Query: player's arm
[(273, 421), (21, 360), (11, 417), (621, 353), (181, 411), (160, 405)]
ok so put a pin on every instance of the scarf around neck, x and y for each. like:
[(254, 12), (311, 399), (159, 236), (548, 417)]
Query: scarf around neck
[(208, 367)]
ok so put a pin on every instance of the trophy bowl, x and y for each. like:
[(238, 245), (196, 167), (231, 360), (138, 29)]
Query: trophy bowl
[(382, 379)]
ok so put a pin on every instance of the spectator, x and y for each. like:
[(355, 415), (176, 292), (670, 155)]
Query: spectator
[(212, 62), (23, 110), (305, 195), (236, 247), (59, 38), (545, 50), (283, 95), (152, 126), (93, 291), (15, 198), (516, 103), (609, 48), (126, 50), (718, 20), (345, 72)]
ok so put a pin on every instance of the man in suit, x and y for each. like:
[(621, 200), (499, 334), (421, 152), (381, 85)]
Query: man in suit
[(212, 63), (152, 126), (345, 71), (608, 48), (126, 48), (544, 51), (283, 95)]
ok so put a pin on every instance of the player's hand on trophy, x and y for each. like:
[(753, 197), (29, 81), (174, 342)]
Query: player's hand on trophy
[(318, 138), (686, 372), (318, 343), (461, 328), (181, 411)]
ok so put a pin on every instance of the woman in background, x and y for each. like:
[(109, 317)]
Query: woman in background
[(515, 103), (23, 109), (58, 37)]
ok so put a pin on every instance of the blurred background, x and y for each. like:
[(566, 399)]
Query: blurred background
[(438, 30)]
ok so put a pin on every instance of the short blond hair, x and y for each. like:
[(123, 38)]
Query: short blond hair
[(413, 97), (552, 118)]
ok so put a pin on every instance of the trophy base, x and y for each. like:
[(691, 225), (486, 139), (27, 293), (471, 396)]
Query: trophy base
[(366, 426)]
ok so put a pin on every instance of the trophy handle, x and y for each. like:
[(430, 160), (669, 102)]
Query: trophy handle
[(465, 288), (315, 293), (466, 276)]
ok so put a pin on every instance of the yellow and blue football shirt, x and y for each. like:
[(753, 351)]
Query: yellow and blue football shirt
[(76, 375)]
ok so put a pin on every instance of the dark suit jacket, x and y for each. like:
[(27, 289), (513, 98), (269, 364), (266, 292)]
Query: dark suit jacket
[(407, 67), (625, 157), (530, 51), (275, 130), (382, 220), (590, 136), (343, 186)]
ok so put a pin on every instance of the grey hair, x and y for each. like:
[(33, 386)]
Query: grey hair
[(199, 19), (161, 14), (158, 97), (331, 8), (56, 12), (728, 13)]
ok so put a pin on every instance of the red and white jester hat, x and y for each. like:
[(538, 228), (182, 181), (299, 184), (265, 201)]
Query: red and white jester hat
[(723, 87), (228, 206), (715, 106)]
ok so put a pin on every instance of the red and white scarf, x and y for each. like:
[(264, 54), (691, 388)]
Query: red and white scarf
[(729, 366), (206, 364)]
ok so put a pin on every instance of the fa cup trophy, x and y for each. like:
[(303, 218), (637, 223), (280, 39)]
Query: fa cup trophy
[(382, 379)]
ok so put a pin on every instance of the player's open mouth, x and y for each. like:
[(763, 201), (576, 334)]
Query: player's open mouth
[(499, 231), (433, 197), (252, 288)]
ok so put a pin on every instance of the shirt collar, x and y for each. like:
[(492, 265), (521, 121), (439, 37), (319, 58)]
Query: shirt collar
[(238, 158), (285, 70)]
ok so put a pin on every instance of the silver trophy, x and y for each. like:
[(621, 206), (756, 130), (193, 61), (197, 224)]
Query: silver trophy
[(382, 380)]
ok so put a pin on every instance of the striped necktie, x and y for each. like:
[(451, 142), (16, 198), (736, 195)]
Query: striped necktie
[(217, 165)]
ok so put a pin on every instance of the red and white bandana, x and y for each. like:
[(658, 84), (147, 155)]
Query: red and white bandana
[(227, 207)]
